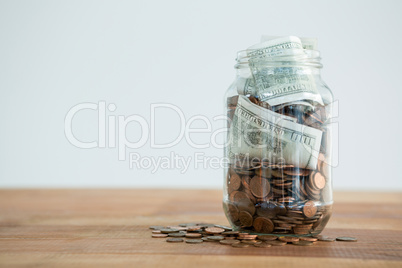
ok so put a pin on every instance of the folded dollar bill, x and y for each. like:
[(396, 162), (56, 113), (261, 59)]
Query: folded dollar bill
[(263, 134)]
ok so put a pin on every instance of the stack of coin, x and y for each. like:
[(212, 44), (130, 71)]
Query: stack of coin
[(280, 198)]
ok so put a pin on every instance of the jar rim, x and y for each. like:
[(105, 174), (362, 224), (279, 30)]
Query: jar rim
[(308, 58)]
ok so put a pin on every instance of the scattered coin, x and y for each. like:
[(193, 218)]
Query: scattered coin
[(262, 245), (156, 227), (193, 235), (303, 243), (194, 241), (288, 239), (174, 240), (159, 235), (176, 234), (306, 238), (216, 237), (168, 231), (326, 239), (346, 239), (276, 243), (240, 245), (267, 237), (214, 230), (229, 242), (243, 239), (226, 228), (250, 242)]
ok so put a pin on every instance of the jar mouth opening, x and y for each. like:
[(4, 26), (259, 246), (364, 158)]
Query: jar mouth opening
[(305, 57)]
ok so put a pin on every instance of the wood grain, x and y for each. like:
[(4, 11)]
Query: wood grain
[(103, 228)]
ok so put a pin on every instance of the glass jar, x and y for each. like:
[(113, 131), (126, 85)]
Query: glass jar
[(278, 180)]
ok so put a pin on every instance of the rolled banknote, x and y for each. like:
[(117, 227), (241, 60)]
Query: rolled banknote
[(272, 81), (263, 134)]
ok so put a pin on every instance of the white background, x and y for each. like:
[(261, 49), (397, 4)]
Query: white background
[(54, 55)]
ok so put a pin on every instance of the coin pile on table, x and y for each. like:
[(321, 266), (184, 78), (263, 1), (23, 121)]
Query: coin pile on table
[(196, 233)]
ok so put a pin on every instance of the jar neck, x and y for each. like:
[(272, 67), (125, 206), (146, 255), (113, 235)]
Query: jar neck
[(309, 61)]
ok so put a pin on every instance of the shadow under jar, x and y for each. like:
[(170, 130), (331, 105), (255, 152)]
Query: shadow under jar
[(278, 180)]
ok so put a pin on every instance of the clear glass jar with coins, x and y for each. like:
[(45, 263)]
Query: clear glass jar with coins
[(278, 180)]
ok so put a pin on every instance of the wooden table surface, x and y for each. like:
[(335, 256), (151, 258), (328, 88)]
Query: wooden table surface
[(110, 228)]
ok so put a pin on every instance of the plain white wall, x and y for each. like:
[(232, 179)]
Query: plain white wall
[(55, 55)]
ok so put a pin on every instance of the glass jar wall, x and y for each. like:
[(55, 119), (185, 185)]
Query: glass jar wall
[(279, 141)]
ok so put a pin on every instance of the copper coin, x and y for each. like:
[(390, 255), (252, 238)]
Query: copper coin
[(156, 232), (253, 99), (159, 235), (233, 212), (247, 237), (246, 205), (346, 239), (319, 181), (193, 228), (229, 242), (245, 181), (238, 195), (250, 196), (174, 240), (235, 183), (214, 230), (277, 173), (193, 235), (246, 219), (309, 209), (263, 225), (267, 210), (262, 245), (264, 172), (259, 186), (307, 238), (303, 243), (267, 237), (233, 100), (245, 172), (240, 245), (288, 239), (296, 172), (194, 241)]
